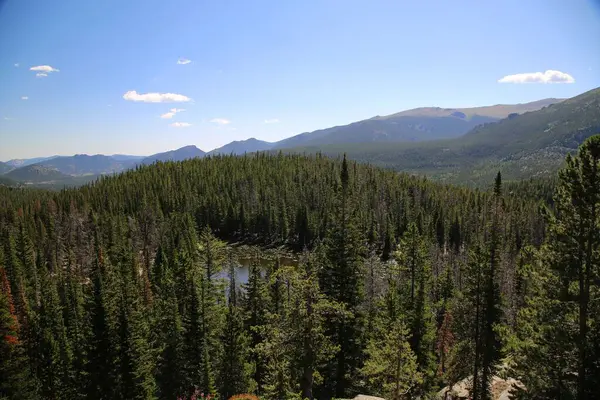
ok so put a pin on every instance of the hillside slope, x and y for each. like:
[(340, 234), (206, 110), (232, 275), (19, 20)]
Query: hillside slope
[(416, 125), (240, 147), (529, 145), (23, 162), (4, 168), (181, 154), (36, 174), (83, 164)]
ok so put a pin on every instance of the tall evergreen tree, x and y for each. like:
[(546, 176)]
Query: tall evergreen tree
[(342, 281), (412, 257), (16, 381), (562, 362), (256, 308), (234, 370)]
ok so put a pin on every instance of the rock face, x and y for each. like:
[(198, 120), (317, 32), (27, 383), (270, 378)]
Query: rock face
[(500, 389)]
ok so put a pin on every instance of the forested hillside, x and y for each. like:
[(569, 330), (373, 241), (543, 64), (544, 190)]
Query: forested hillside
[(361, 280), (533, 144)]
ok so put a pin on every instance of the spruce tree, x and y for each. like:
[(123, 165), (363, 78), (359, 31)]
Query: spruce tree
[(255, 309), (562, 362), (342, 282), (234, 369), (391, 366), (412, 257), (16, 381)]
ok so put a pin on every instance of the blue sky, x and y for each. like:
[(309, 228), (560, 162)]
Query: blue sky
[(269, 69)]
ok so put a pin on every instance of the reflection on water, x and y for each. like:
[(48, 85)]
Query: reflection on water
[(242, 271)]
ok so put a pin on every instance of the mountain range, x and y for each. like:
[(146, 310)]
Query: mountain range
[(445, 143), (533, 144)]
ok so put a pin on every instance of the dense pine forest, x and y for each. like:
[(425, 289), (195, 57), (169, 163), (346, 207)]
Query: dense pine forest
[(360, 280)]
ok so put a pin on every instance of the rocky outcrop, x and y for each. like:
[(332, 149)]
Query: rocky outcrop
[(363, 397), (500, 389)]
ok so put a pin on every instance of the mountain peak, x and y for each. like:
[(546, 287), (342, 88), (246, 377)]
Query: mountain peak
[(183, 153)]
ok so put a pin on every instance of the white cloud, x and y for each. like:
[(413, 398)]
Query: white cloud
[(132, 95), (44, 68), (550, 76), (183, 61), (271, 121), (41, 74), (180, 124), (220, 121), (24, 98), (172, 113), (17, 65)]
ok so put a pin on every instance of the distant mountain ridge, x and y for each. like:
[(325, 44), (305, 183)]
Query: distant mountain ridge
[(175, 155), (83, 164), (240, 147), (18, 163), (416, 125), (425, 125), (35, 174), (4, 168), (498, 111), (533, 144)]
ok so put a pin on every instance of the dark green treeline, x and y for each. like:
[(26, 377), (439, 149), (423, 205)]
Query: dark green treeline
[(126, 289)]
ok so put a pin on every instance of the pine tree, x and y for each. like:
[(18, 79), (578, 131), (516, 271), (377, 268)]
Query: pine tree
[(342, 282), (308, 312), (167, 332), (417, 306), (55, 356), (391, 366), (234, 369), (15, 377), (256, 308), (565, 307), (77, 325), (103, 377)]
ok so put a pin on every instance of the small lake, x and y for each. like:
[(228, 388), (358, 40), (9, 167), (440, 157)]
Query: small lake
[(242, 271)]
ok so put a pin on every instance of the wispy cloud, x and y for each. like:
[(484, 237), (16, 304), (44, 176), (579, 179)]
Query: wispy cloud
[(41, 74), (172, 113), (24, 98), (271, 121), (550, 76), (180, 124), (183, 61), (7, 118), (220, 121), (132, 95), (44, 68), (17, 65)]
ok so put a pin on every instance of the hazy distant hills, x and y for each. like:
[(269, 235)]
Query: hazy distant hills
[(533, 144), (83, 164), (127, 157), (243, 146), (419, 124), (452, 144), (175, 155), (18, 163), (4, 168), (498, 111), (36, 174)]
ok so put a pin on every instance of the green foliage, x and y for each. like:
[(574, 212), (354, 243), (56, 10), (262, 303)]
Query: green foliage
[(391, 366), (533, 144), (557, 350), (119, 288)]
